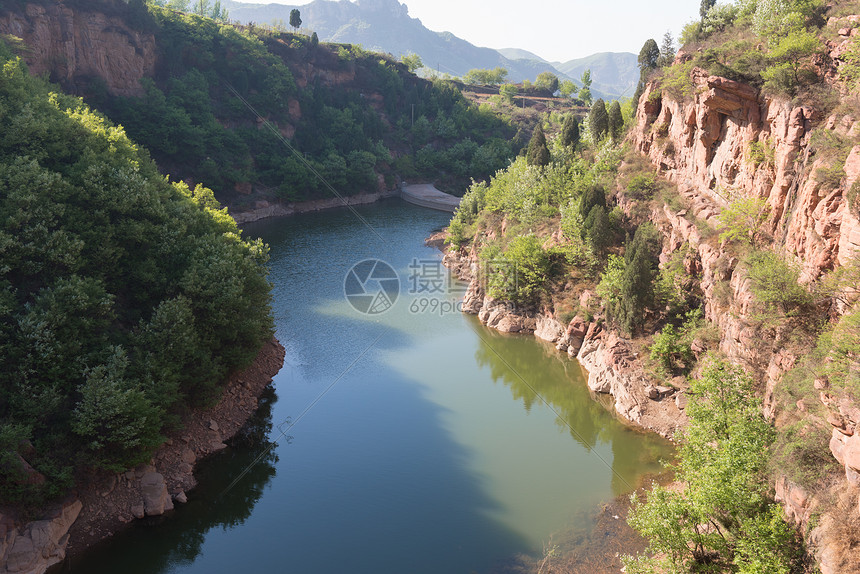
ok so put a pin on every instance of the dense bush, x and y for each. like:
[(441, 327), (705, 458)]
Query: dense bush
[(774, 283), (124, 298)]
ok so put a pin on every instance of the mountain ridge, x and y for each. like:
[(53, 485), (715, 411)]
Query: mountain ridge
[(363, 23)]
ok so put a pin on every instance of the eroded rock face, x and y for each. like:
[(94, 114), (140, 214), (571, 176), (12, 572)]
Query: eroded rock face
[(73, 46), (703, 144), (37, 546)]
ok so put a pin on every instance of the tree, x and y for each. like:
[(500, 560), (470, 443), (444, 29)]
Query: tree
[(594, 195), (598, 121), (570, 132), (704, 7), (789, 57), (567, 88), (482, 76), (598, 229), (315, 40), (219, 13), (723, 520), (201, 7), (538, 152), (637, 284), (412, 62), (295, 18), (508, 91), (667, 50), (615, 121), (547, 81), (649, 56), (585, 91), (743, 220)]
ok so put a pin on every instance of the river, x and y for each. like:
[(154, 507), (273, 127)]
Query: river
[(413, 440)]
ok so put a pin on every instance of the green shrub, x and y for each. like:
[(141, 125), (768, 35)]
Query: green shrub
[(774, 283), (723, 458), (642, 186), (852, 198), (801, 453), (761, 153), (839, 353), (830, 177), (677, 81), (520, 272), (743, 220)]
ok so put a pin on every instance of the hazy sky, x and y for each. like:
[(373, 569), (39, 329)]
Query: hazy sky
[(557, 30)]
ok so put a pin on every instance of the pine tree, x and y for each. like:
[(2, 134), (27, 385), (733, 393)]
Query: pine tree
[(538, 153), (616, 121), (598, 121), (637, 284), (598, 229), (593, 196), (649, 55), (667, 50), (570, 132), (705, 6)]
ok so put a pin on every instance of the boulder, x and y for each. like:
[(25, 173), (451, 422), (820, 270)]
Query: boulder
[(40, 544), (156, 499)]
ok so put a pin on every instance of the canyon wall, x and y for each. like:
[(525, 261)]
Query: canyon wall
[(73, 46), (703, 145)]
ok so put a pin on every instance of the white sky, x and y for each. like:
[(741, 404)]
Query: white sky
[(557, 30)]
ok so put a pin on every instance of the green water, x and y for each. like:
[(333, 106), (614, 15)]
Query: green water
[(418, 443)]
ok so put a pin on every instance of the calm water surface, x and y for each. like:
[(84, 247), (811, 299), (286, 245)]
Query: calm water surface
[(417, 445)]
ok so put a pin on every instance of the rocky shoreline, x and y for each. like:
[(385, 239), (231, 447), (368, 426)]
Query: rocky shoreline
[(611, 362), (263, 209), (107, 503)]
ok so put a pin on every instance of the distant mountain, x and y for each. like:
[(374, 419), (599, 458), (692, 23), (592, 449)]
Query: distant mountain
[(517, 54), (611, 72), (385, 26)]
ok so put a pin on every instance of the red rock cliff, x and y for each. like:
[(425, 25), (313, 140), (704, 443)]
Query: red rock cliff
[(703, 145), (72, 45)]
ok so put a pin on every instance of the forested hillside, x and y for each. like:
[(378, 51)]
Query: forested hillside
[(359, 119), (124, 298)]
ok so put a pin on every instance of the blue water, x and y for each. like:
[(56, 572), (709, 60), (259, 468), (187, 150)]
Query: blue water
[(417, 445)]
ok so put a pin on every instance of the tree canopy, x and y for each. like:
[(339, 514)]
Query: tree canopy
[(124, 298), (295, 18), (538, 152), (480, 76), (598, 121)]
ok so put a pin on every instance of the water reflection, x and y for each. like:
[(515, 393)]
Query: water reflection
[(531, 368), (158, 544)]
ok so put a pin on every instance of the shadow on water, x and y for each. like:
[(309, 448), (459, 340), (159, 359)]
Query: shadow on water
[(159, 543), (372, 482)]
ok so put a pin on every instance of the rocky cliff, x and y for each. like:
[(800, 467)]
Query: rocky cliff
[(72, 46), (703, 144)]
